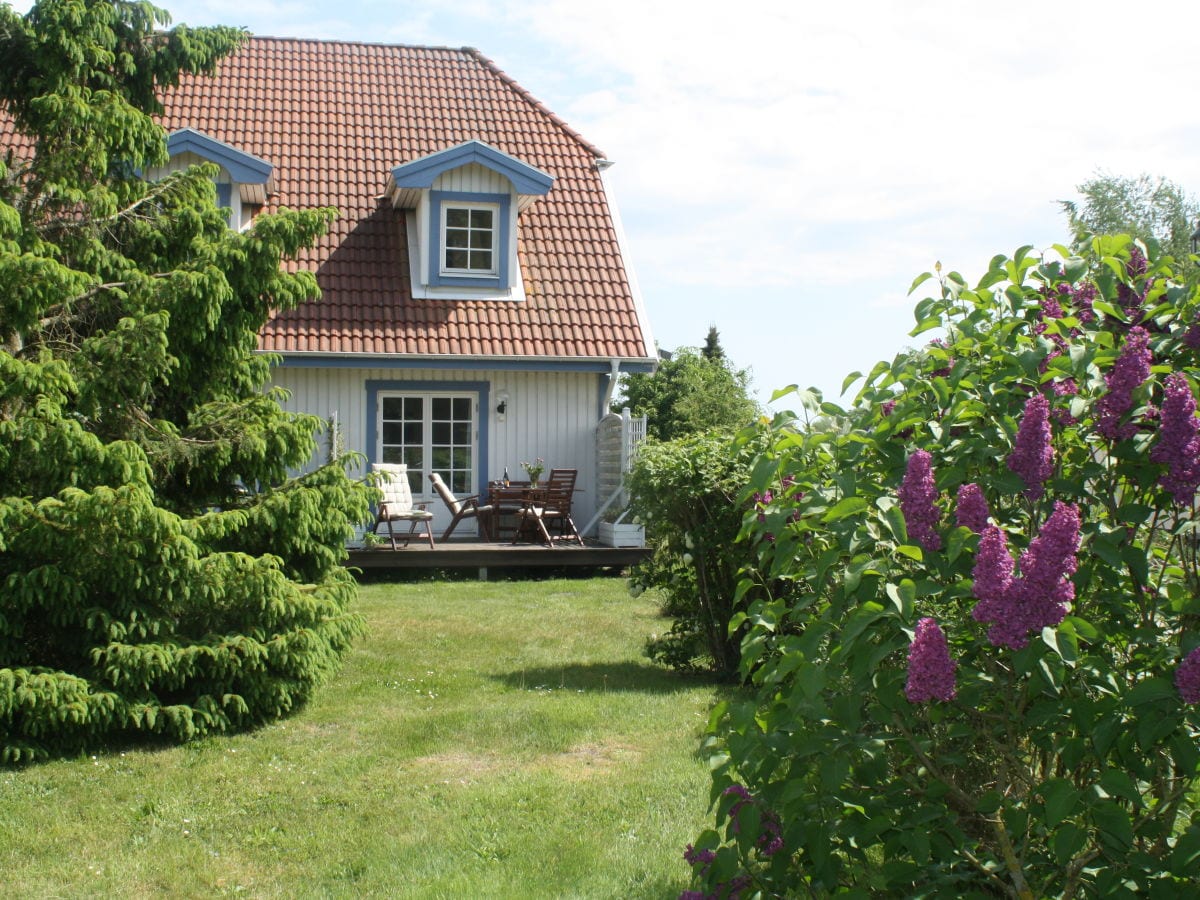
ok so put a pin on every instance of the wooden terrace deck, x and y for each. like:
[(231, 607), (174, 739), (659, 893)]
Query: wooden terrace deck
[(477, 554)]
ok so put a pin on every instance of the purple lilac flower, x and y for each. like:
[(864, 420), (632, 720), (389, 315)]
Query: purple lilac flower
[(1128, 372), (1187, 677), (1137, 264), (1041, 595), (971, 508), (1178, 446), (761, 502), (917, 495), (930, 668), (992, 576), (736, 885), (887, 406), (1033, 456), (1191, 338), (1082, 297), (1051, 308), (1044, 590), (1066, 387), (945, 369)]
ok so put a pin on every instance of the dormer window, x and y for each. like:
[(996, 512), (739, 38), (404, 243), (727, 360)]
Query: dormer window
[(462, 208), (244, 181)]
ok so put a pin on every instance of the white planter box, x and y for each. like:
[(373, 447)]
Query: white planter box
[(620, 534)]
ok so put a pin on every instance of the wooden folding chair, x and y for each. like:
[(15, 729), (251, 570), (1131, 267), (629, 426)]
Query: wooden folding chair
[(551, 506), (397, 504), (462, 508)]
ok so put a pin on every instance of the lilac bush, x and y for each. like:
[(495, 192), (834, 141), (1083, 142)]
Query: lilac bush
[(1012, 706)]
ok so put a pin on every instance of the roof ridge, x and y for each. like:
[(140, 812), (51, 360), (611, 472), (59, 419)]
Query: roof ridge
[(355, 43), (491, 66)]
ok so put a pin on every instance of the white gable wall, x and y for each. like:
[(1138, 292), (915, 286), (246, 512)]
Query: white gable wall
[(549, 414)]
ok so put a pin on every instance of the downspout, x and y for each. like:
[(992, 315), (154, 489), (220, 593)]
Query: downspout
[(614, 370)]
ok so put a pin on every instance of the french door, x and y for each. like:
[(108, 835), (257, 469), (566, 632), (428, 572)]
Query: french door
[(430, 432)]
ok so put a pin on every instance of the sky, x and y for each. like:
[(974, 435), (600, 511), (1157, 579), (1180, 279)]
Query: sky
[(784, 170)]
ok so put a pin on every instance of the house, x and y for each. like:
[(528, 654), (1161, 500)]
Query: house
[(477, 302)]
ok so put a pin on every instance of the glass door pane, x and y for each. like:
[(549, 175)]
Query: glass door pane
[(452, 441), (403, 430), (430, 433)]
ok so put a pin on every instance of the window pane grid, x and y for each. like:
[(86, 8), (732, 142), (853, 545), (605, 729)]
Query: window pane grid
[(430, 434), (469, 240)]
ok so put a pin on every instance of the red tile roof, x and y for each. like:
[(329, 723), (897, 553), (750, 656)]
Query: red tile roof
[(334, 118)]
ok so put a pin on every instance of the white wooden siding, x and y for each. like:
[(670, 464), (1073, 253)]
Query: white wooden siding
[(473, 178), (549, 414)]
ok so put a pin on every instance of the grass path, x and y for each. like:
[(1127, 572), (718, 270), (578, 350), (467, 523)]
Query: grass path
[(484, 740)]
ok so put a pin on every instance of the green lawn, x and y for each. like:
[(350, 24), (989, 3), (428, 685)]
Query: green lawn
[(501, 739)]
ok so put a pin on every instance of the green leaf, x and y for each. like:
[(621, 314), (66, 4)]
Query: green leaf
[(989, 803), (1114, 824), (926, 325), (849, 507), (1149, 690), (919, 280), (1060, 799), (903, 597), (911, 551), (1118, 784), (1062, 643), (1069, 839)]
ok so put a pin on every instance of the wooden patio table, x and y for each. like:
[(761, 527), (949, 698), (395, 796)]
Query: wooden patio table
[(508, 500)]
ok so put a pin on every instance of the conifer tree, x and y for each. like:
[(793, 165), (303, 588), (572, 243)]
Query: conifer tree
[(163, 570)]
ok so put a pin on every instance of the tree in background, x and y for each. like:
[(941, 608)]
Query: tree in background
[(693, 391), (1147, 208), (712, 349), (161, 571)]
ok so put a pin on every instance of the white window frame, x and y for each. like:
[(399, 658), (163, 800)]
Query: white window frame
[(494, 248)]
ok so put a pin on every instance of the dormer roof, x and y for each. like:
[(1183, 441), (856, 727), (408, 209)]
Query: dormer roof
[(253, 174), (421, 173)]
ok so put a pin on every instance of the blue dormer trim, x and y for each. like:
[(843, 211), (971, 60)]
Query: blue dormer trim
[(440, 199), (242, 167), (421, 173)]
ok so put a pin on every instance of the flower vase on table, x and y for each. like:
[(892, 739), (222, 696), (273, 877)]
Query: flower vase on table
[(534, 470)]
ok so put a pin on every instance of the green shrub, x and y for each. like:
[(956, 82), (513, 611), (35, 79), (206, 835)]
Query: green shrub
[(957, 701), (687, 492)]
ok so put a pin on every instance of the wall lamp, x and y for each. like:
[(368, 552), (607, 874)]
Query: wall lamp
[(501, 406)]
